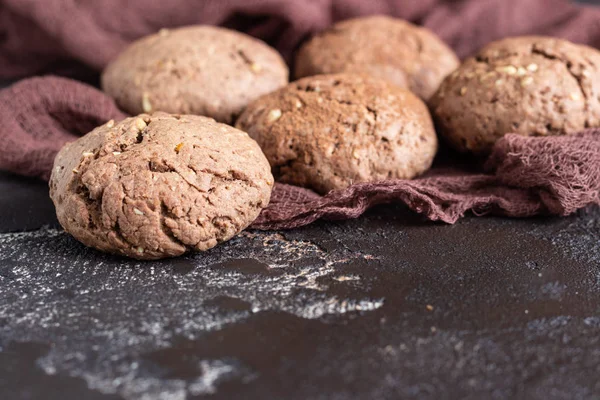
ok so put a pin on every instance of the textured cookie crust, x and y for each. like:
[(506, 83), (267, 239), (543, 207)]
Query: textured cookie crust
[(157, 186), (533, 86), (327, 132), (201, 70), (385, 47)]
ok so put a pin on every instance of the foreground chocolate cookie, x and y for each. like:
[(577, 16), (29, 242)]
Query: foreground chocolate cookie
[(157, 186), (327, 132), (532, 86), (382, 46), (201, 70)]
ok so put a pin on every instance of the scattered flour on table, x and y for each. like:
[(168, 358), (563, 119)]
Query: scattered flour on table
[(46, 300)]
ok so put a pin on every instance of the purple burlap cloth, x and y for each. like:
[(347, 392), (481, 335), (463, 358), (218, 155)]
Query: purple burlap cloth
[(522, 177)]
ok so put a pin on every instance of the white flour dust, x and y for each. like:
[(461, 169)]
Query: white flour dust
[(101, 312)]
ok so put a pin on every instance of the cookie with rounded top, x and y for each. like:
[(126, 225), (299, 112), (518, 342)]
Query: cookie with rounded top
[(202, 70), (532, 86), (382, 46), (329, 131), (156, 186)]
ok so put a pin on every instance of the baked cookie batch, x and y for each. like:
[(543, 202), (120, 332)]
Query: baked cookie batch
[(178, 176)]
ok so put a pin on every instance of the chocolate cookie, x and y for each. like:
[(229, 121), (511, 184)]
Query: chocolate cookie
[(157, 186), (201, 70), (385, 47), (533, 86), (327, 132)]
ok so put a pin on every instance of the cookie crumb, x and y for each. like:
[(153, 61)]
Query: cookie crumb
[(146, 105), (528, 80), (140, 124), (429, 307), (256, 68), (486, 76), (274, 115), (509, 69)]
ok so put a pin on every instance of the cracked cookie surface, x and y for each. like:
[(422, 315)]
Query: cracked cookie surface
[(156, 186), (200, 70), (532, 86), (385, 47), (329, 131)]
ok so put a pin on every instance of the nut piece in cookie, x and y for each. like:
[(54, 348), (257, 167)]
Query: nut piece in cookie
[(201, 70), (385, 47), (157, 186), (326, 132), (532, 86)]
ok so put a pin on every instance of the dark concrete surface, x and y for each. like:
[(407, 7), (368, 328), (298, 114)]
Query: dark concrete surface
[(384, 307)]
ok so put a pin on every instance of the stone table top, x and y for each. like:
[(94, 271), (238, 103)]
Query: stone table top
[(384, 306)]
